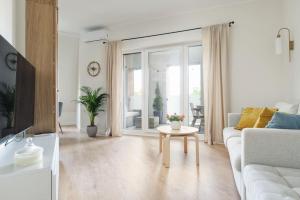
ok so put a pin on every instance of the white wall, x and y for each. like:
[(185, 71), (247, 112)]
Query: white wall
[(68, 47), (12, 23), (19, 25), (257, 75), (88, 52), (292, 16), (6, 20)]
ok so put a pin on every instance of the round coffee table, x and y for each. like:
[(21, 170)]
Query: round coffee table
[(165, 133)]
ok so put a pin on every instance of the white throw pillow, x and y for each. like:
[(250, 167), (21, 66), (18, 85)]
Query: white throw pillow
[(287, 107), (299, 110)]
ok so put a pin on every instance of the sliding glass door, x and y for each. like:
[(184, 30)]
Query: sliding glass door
[(162, 81), (165, 75), (133, 91), (195, 88)]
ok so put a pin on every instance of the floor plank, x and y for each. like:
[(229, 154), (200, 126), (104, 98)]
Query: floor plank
[(130, 167)]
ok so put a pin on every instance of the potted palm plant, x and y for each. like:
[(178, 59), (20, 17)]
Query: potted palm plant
[(94, 102)]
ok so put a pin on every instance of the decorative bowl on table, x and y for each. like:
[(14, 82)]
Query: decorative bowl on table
[(175, 121), (30, 154)]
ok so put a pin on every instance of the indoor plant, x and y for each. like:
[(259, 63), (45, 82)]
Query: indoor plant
[(157, 104), (93, 101), (175, 121)]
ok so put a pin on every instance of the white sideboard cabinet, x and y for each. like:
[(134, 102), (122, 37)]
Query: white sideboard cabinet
[(35, 182)]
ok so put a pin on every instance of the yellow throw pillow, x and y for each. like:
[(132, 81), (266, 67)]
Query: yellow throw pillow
[(248, 118), (264, 117)]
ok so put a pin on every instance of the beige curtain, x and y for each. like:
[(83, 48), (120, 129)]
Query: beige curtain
[(215, 69), (114, 87)]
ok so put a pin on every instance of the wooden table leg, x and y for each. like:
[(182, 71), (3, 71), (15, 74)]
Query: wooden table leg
[(197, 147), (160, 142), (166, 151), (185, 144)]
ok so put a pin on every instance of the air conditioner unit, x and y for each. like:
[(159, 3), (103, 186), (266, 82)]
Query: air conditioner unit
[(96, 35)]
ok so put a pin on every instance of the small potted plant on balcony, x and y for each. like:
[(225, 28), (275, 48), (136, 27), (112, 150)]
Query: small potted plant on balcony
[(158, 104), (94, 102), (175, 121)]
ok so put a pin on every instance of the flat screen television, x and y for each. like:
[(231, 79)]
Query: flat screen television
[(17, 91)]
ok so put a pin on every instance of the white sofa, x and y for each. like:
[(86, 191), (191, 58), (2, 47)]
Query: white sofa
[(265, 162)]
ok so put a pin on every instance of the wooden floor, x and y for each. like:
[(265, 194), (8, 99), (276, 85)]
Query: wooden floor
[(130, 167)]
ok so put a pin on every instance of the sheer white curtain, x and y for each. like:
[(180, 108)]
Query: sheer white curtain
[(114, 87), (215, 69)]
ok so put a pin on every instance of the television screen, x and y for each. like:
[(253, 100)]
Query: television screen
[(25, 93), (17, 86), (8, 77)]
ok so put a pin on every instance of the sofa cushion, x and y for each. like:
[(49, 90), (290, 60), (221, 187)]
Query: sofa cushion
[(132, 114), (234, 149), (248, 118), (264, 117), (271, 183), (230, 132), (287, 107), (284, 121)]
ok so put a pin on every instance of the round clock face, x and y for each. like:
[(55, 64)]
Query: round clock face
[(11, 61), (94, 68)]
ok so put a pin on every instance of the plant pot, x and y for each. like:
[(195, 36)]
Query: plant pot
[(91, 131), (158, 114), (176, 125)]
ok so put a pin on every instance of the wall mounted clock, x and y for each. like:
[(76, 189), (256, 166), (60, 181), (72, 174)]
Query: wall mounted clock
[(94, 69), (11, 60)]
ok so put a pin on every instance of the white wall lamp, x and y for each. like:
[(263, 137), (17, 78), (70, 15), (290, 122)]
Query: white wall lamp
[(279, 43)]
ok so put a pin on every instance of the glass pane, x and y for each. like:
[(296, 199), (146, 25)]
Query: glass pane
[(133, 91), (196, 108), (164, 86)]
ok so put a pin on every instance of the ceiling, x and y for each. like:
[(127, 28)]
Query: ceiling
[(80, 15)]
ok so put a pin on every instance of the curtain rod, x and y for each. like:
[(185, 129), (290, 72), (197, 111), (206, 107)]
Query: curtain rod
[(154, 35)]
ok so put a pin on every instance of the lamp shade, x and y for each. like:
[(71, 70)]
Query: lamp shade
[(278, 45)]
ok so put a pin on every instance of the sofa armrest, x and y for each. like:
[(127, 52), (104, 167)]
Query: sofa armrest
[(274, 147), (233, 119)]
